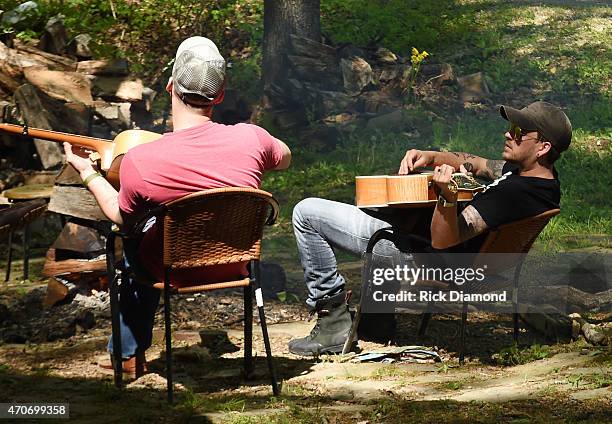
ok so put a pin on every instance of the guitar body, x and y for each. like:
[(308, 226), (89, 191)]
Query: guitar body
[(403, 191), (122, 143)]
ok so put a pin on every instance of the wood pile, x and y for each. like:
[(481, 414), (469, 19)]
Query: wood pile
[(349, 88), (55, 85)]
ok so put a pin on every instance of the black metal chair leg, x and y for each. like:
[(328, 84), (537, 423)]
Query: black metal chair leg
[(353, 333), (463, 324), (9, 258), (168, 337), (26, 252), (113, 282), (248, 332), (264, 327)]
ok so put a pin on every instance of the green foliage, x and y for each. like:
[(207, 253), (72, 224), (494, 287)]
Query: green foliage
[(514, 355), (395, 24), (144, 31)]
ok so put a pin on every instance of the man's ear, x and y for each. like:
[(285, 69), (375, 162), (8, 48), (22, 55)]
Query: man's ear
[(169, 86), (544, 148), (220, 96)]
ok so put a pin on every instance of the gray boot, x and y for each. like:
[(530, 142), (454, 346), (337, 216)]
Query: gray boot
[(331, 330)]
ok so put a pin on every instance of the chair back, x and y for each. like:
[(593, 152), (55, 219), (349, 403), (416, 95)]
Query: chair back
[(515, 238), (217, 226)]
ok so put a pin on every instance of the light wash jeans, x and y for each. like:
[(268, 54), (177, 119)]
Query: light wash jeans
[(320, 226)]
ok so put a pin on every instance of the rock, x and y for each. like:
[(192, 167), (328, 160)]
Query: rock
[(194, 353), (217, 341), (389, 72), (473, 88), (334, 102), (117, 115), (437, 74), (54, 39), (384, 55), (153, 381), (378, 102), (18, 14), (61, 85), (395, 121), (79, 46), (356, 74)]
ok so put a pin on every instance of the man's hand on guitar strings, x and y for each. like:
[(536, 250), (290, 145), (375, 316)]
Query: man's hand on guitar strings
[(415, 159)]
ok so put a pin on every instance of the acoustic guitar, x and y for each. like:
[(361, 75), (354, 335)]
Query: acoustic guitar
[(408, 191), (109, 152)]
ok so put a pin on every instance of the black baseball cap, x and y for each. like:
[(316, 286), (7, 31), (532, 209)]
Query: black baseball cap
[(547, 119)]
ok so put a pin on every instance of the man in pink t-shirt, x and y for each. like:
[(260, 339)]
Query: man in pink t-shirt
[(198, 155)]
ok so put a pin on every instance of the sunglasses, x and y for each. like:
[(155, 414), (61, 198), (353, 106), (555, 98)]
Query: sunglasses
[(517, 132)]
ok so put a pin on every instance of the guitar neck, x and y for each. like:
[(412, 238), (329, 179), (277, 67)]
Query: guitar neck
[(99, 144)]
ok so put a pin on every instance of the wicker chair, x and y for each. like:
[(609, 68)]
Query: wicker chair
[(514, 239), (212, 227), (19, 217)]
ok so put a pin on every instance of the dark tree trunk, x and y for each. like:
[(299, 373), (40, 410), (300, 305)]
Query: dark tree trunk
[(282, 18)]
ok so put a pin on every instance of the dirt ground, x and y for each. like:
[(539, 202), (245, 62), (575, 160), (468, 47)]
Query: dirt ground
[(571, 383)]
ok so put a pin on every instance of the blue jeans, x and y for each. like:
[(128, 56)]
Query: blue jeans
[(320, 226), (137, 306)]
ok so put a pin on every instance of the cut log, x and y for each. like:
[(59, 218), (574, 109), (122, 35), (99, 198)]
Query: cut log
[(50, 60), (314, 70), (75, 201), (78, 242), (53, 268), (107, 67), (35, 115), (118, 88), (56, 292), (61, 85)]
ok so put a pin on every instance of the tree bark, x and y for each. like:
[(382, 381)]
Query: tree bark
[(282, 18)]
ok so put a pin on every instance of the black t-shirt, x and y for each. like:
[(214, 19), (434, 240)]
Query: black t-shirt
[(512, 197)]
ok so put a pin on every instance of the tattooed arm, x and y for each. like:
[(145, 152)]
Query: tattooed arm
[(481, 167), (448, 229)]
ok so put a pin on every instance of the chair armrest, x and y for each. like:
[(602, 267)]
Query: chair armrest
[(273, 211), (136, 231), (405, 242)]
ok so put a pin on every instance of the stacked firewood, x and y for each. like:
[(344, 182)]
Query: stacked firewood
[(56, 85)]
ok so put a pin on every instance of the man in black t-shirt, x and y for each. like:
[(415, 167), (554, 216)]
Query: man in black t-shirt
[(526, 182), (523, 184)]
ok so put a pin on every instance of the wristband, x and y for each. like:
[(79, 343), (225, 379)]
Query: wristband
[(90, 177)]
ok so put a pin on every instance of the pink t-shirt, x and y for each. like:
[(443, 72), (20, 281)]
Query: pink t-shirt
[(206, 156)]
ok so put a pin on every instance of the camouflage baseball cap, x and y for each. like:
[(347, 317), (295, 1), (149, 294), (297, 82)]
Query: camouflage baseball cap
[(549, 120)]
